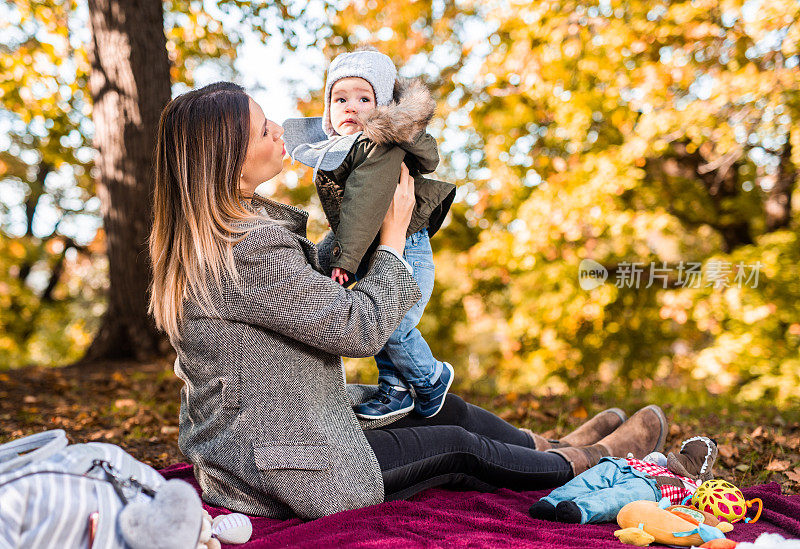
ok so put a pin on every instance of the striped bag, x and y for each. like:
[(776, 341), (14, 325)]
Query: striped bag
[(53, 494)]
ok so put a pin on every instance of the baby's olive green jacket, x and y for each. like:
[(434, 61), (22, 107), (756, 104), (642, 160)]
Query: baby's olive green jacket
[(356, 195)]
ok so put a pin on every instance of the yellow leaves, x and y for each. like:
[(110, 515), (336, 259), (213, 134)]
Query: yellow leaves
[(79, 335), (579, 413), (756, 314), (121, 403), (16, 249), (193, 36), (559, 164), (676, 306), (619, 119), (703, 31), (638, 46)]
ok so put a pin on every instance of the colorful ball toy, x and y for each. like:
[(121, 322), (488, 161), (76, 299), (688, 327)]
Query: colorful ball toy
[(725, 501)]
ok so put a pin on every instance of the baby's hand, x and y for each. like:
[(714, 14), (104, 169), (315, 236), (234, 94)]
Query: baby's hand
[(339, 275)]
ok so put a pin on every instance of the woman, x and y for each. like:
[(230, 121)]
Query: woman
[(265, 416)]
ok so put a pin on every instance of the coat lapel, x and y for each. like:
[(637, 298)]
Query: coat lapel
[(292, 218)]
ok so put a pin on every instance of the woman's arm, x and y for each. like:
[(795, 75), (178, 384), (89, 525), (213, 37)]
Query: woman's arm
[(324, 252), (280, 291)]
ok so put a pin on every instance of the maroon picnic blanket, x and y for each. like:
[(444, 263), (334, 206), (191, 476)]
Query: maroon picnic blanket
[(445, 518)]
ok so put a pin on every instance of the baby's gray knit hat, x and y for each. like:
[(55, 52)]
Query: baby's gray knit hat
[(371, 65)]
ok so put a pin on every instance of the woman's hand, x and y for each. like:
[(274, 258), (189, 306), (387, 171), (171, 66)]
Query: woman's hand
[(395, 224)]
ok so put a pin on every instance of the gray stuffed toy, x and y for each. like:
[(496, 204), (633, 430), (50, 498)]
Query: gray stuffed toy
[(175, 519)]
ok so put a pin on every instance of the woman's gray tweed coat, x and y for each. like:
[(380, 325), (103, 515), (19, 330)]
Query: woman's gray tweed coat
[(265, 416)]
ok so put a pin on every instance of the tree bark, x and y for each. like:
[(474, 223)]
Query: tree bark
[(720, 182), (130, 84), (778, 206)]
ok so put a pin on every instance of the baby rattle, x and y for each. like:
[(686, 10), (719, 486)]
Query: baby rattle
[(724, 500)]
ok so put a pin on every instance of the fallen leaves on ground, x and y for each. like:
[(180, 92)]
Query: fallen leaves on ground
[(136, 406), (133, 405)]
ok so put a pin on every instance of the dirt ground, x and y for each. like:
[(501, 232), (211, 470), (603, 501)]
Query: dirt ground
[(135, 405)]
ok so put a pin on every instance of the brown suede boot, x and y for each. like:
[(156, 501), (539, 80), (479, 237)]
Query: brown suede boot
[(597, 428), (643, 433), (590, 432), (540, 443)]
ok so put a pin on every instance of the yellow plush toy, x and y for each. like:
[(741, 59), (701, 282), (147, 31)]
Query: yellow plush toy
[(635, 536), (644, 522)]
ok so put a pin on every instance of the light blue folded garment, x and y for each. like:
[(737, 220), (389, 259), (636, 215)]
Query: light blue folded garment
[(307, 143)]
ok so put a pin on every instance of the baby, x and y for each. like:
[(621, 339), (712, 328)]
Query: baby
[(372, 123)]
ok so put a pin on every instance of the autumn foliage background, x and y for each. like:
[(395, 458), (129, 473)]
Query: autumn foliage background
[(623, 132)]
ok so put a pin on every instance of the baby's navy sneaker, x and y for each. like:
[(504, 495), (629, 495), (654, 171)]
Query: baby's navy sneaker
[(390, 401), (430, 401)]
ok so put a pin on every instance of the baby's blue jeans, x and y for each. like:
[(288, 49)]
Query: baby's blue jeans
[(604, 489), (406, 359)]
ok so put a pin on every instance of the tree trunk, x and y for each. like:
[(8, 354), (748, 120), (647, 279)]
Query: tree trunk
[(720, 182), (130, 84), (778, 206)]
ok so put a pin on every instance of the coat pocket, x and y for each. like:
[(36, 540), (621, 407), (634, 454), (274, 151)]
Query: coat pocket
[(307, 479), (308, 457)]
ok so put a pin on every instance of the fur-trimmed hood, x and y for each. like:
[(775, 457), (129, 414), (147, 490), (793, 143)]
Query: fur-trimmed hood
[(402, 120)]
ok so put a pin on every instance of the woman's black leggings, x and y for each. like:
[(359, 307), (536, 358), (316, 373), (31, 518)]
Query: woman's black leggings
[(464, 447)]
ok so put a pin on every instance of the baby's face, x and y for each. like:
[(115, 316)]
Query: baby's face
[(350, 98)]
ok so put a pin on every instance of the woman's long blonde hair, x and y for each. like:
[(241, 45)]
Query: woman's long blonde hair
[(201, 147)]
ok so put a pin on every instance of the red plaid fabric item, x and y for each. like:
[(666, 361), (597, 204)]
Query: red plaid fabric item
[(675, 494)]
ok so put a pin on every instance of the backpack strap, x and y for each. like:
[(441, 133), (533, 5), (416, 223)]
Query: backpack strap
[(27, 450)]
